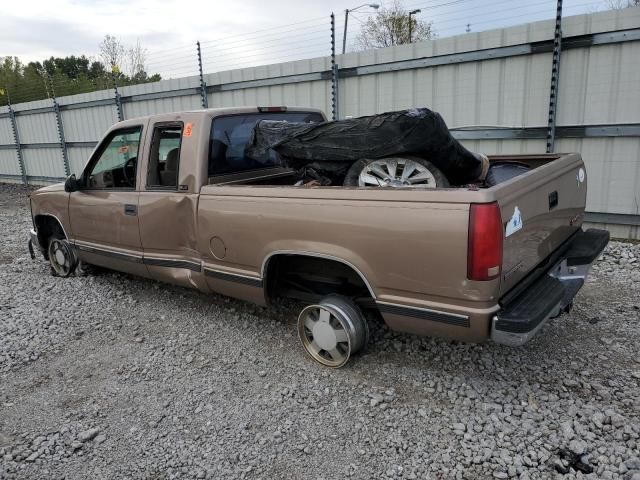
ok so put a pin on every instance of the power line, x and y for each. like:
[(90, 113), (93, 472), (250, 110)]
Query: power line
[(512, 17), (253, 48), (289, 41), (466, 17), (279, 28)]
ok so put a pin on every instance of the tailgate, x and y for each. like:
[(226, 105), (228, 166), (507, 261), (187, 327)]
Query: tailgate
[(540, 211)]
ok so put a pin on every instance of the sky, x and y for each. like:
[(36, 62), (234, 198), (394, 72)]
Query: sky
[(233, 33)]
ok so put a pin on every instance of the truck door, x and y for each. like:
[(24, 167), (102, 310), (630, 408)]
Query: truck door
[(104, 211), (168, 207)]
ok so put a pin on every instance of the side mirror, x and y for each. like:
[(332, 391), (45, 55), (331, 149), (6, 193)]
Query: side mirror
[(71, 184)]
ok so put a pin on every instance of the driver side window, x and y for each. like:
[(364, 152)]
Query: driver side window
[(117, 163)]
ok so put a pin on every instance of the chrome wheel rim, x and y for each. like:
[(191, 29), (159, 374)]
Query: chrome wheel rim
[(396, 172), (324, 335), (61, 257)]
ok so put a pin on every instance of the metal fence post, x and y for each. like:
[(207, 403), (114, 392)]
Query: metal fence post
[(335, 102), (116, 95), (203, 86), (555, 79), (16, 139), (60, 126)]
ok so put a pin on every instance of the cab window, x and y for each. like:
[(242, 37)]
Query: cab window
[(230, 135), (164, 158), (116, 164)]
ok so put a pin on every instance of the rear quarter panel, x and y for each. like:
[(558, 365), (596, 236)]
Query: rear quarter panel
[(411, 246)]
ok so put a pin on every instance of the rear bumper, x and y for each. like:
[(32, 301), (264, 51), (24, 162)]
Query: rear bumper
[(548, 292)]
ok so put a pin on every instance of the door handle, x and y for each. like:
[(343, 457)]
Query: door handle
[(130, 209)]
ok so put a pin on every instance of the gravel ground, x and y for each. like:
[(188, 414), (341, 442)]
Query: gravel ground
[(110, 376)]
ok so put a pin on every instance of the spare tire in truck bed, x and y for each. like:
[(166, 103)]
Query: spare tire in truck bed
[(398, 172), (419, 132)]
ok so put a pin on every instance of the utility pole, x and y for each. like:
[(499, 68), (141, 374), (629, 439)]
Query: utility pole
[(412, 12), (344, 33)]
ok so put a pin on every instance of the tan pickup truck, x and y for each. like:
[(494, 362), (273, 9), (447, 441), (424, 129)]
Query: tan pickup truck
[(172, 197)]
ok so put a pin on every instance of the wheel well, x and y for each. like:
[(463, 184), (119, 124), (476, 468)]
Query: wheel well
[(47, 226), (310, 278)]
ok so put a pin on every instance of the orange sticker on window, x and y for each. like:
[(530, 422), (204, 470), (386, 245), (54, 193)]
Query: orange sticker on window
[(188, 130)]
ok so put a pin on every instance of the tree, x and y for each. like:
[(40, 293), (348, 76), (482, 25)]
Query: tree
[(115, 56), (392, 26), (620, 4), (73, 74), (112, 53), (136, 57)]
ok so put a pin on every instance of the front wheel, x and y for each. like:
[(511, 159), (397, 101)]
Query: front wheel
[(395, 172), (62, 258), (332, 330)]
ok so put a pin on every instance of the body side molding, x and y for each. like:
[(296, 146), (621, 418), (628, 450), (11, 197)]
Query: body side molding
[(424, 314), (234, 277)]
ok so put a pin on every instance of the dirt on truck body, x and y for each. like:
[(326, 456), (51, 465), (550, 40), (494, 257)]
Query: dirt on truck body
[(175, 198)]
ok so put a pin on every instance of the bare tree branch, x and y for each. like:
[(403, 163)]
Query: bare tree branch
[(136, 58), (391, 27), (112, 53), (620, 4)]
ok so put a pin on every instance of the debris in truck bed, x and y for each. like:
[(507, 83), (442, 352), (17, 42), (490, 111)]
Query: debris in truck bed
[(328, 145)]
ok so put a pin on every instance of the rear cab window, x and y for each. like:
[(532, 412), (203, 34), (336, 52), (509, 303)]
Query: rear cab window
[(164, 159), (230, 135)]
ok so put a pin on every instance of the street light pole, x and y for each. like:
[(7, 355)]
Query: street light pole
[(344, 34), (412, 12), (375, 6)]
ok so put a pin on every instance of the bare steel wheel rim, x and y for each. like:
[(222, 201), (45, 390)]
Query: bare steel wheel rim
[(396, 172), (324, 335), (61, 257)]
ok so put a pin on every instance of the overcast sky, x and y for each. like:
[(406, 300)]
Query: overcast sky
[(234, 33)]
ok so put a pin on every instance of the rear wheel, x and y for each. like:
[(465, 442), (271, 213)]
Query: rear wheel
[(332, 330), (398, 172)]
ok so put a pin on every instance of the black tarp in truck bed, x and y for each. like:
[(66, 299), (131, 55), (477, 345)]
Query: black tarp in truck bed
[(419, 131)]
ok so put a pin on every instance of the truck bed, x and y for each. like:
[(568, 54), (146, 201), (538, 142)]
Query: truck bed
[(422, 233)]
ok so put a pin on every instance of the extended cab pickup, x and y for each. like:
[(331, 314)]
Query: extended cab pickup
[(172, 197)]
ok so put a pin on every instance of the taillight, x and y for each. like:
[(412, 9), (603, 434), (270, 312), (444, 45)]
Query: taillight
[(484, 255)]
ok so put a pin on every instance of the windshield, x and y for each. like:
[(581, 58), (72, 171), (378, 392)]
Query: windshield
[(230, 135)]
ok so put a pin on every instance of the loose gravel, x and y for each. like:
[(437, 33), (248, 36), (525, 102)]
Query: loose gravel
[(111, 376)]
